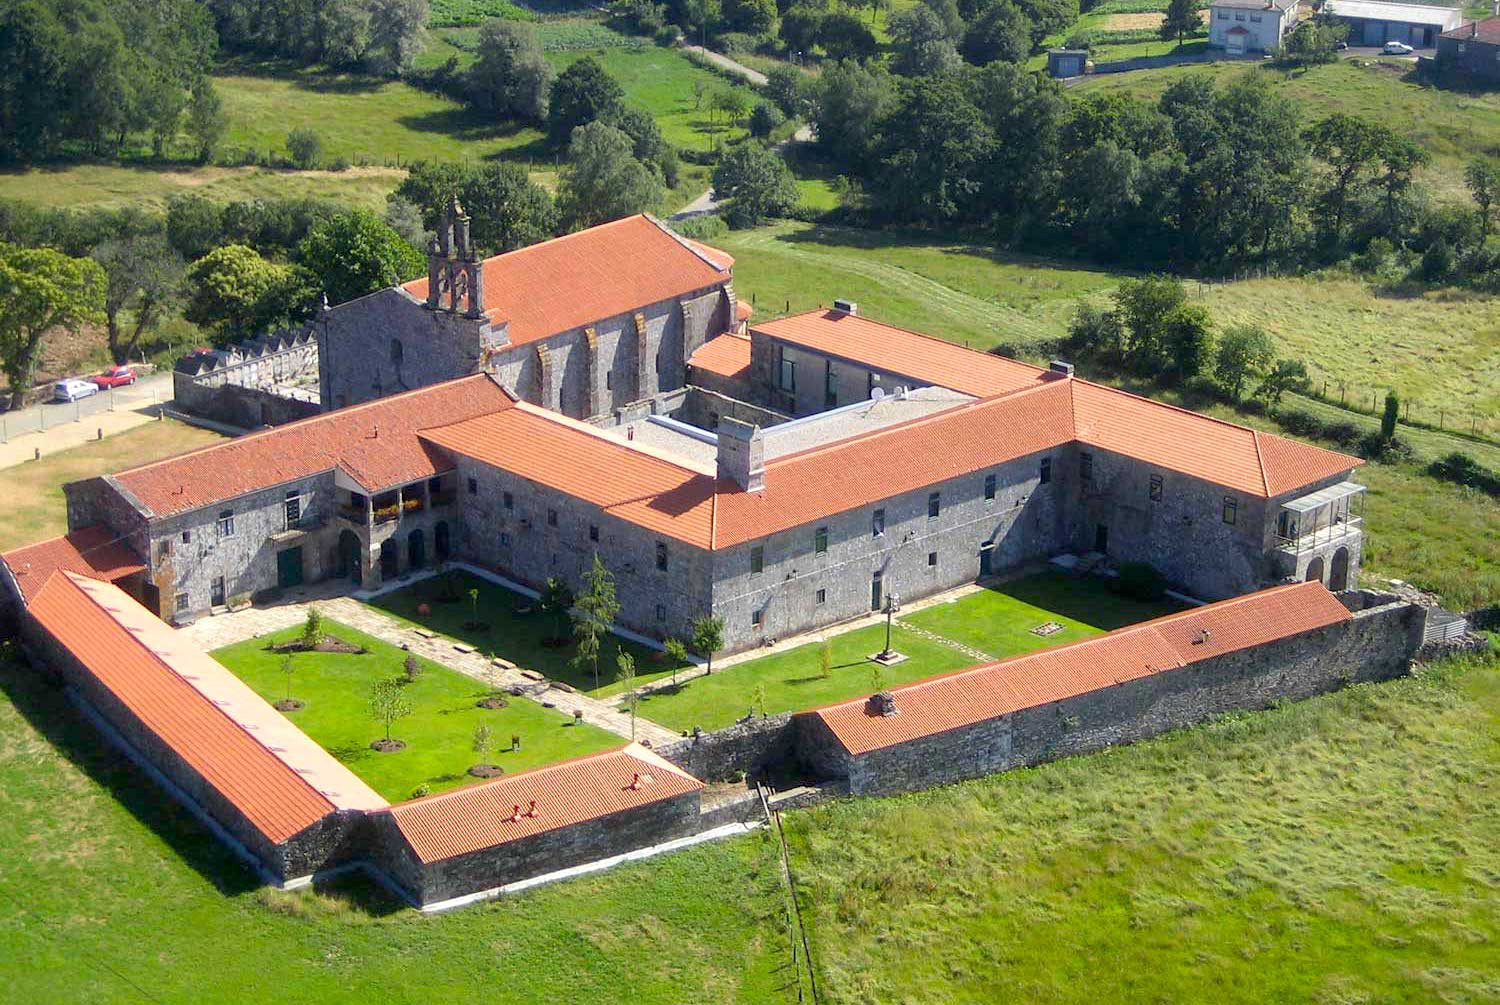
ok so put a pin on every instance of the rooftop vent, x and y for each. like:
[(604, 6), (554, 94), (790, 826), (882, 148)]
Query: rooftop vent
[(847, 306), (881, 703), (1059, 367)]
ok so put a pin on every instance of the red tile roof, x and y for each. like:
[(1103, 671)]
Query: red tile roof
[(261, 764), (581, 278), (1487, 30), (95, 551), (743, 310), (571, 457), (911, 354), (948, 702), (494, 813), (374, 443), (728, 356)]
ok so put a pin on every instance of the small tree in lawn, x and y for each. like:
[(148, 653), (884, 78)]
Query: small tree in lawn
[(312, 629), (287, 669), (825, 660), (596, 608), (677, 653), (877, 678), (484, 740), (625, 676), (758, 700), (708, 638), (413, 669), (474, 602), (388, 703), (555, 601)]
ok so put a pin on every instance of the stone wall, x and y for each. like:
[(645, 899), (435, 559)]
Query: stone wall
[(260, 382), (329, 841), (541, 853), (704, 407), (1377, 644), (749, 748)]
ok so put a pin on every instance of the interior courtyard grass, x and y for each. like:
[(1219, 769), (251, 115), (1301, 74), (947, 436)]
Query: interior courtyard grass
[(1341, 849), (522, 638), (997, 621), (438, 734)]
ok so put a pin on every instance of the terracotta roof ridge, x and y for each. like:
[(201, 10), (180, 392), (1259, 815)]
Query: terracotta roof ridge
[(577, 425), (1260, 462), (76, 581), (947, 343), (542, 769), (302, 423), (913, 423)]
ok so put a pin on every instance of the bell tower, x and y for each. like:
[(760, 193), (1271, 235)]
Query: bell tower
[(454, 272)]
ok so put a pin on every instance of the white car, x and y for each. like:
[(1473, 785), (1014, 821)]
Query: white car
[(1394, 48), (72, 389)]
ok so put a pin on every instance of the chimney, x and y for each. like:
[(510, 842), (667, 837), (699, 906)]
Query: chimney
[(742, 454), (1060, 368), (847, 306)]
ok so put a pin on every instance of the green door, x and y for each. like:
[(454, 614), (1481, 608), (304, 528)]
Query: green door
[(289, 568)]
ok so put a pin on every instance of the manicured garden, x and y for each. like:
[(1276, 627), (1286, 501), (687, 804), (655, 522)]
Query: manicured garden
[(335, 689), (514, 627), (997, 621)]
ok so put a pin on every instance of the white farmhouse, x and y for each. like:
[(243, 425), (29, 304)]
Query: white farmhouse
[(1243, 26)]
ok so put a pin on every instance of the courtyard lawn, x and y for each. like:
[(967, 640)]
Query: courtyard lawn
[(1342, 849), (999, 621), (439, 732), (32, 506), (520, 638), (994, 621)]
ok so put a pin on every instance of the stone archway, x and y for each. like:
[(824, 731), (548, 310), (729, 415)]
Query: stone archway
[(390, 559), (1315, 570), (350, 553), (416, 549), (442, 547), (1338, 571)]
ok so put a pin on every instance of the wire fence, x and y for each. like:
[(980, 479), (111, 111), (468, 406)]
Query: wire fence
[(1460, 418)]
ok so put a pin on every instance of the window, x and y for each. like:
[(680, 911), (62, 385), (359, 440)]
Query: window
[(1155, 490), (1046, 472), (593, 532), (187, 537), (822, 596), (163, 548), (397, 352), (932, 560), (293, 507), (609, 380), (1086, 466), (820, 540), (552, 518), (830, 389), (989, 486), (1231, 504), (1239, 17), (504, 539), (787, 373), (1255, 19), (757, 559), (473, 486), (757, 618), (877, 523), (1223, 15), (182, 602), (934, 505), (661, 612), (661, 556), (226, 523), (508, 500)]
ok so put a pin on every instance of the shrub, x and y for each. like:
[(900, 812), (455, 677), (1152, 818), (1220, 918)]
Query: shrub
[(1461, 469), (1141, 581), (764, 119), (1080, 40), (412, 668), (701, 228), (305, 146), (1345, 434), (1391, 450)]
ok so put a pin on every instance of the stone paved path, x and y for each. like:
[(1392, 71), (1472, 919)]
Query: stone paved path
[(227, 629)]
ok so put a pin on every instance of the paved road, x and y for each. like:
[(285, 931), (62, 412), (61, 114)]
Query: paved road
[(719, 59)]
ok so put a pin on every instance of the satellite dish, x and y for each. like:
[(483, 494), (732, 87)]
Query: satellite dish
[(876, 393)]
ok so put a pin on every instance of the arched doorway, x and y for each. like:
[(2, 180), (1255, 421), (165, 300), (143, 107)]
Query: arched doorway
[(1315, 569), (416, 549), (1338, 571), (440, 544), (349, 564), (390, 558)]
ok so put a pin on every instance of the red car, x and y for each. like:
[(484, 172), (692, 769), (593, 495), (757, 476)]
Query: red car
[(115, 376)]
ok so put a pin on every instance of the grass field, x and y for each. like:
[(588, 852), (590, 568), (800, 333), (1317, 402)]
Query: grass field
[(994, 621), (382, 125), (512, 635), (1452, 126), (32, 507), (1336, 850), (438, 734)]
